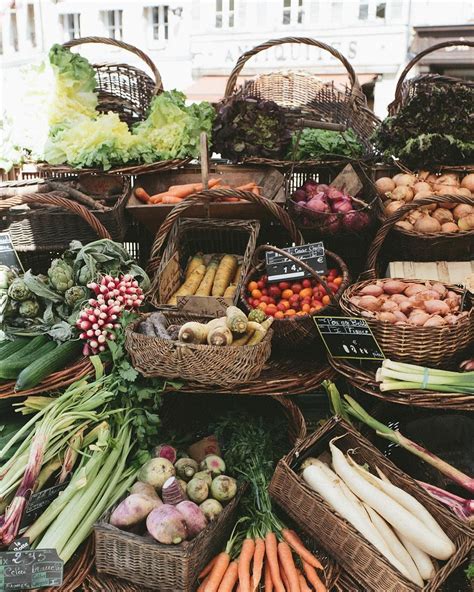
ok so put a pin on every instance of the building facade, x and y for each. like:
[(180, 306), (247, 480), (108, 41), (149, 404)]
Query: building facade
[(196, 43)]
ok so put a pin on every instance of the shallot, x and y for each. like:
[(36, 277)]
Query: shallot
[(394, 286)]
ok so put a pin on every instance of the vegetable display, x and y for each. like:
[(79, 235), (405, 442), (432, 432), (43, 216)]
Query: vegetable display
[(435, 218), (318, 144)]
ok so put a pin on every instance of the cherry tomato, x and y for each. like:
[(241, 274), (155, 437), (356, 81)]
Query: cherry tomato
[(262, 306), (261, 284), (279, 314), (252, 286), (287, 294), (306, 283), (256, 294), (283, 285), (265, 299), (274, 291), (296, 288)]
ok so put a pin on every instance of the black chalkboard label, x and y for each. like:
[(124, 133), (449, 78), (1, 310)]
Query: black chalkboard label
[(8, 255), (24, 570), (38, 502), (281, 268), (348, 337)]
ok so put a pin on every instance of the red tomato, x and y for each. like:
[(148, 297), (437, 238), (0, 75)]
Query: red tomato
[(255, 302), (264, 279), (279, 314), (317, 303), (295, 298), (286, 294), (271, 301), (274, 291), (306, 300), (332, 286), (261, 284), (322, 290), (283, 305), (306, 307), (296, 288), (265, 299), (283, 285), (316, 291), (265, 291), (306, 283), (271, 309)]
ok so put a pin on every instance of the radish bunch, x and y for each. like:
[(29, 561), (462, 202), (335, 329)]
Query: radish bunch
[(100, 318)]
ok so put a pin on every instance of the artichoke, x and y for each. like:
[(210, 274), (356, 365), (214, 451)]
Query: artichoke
[(75, 295), (19, 291), (61, 276), (11, 309), (29, 309), (6, 277)]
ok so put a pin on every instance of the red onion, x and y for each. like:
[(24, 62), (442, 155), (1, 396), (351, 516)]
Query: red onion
[(331, 224), (318, 205), (342, 206), (356, 221), (299, 195), (310, 183), (335, 194)]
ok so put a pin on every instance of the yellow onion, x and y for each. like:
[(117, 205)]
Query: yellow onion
[(466, 222), (405, 180), (427, 224), (462, 210), (392, 207), (384, 185), (468, 182), (442, 215), (402, 193)]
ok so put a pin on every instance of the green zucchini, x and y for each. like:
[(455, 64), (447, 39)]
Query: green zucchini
[(51, 362), (33, 345), (13, 346), (11, 367)]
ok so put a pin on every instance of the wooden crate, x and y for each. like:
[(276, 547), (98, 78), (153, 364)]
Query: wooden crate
[(452, 272)]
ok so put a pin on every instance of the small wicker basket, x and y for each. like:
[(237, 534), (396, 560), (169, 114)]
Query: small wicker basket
[(207, 365), (354, 553)]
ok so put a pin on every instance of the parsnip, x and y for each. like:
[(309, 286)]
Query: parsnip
[(193, 332), (236, 320), (194, 262), (219, 336), (230, 291), (219, 322), (190, 285), (205, 286), (225, 273), (236, 278)]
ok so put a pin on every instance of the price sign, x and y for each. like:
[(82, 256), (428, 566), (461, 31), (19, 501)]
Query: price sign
[(281, 268), (348, 337), (8, 255), (38, 502), (27, 569)]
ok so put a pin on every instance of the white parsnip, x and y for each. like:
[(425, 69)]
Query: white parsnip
[(394, 513)]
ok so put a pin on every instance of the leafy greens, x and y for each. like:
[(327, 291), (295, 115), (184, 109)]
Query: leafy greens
[(318, 143)]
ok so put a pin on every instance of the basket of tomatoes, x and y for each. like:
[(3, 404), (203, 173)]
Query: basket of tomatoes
[(293, 304)]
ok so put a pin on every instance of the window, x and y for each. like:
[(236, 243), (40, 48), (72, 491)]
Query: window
[(30, 25), (71, 25), (336, 11), (225, 14), (292, 12), (159, 23), (113, 23), (363, 10), (396, 10), (380, 10), (13, 31)]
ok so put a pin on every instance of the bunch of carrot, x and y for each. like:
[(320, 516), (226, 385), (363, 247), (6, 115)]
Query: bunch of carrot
[(176, 193), (268, 557)]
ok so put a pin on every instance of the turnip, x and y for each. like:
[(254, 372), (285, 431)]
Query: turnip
[(356, 221), (211, 509), (213, 463), (223, 488), (186, 468), (205, 476), (167, 525), (144, 489), (172, 492), (197, 490), (156, 471), (133, 510), (193, 517), (165, 451)]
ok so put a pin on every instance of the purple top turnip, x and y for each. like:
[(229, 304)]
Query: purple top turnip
[(167, 525), (172, 492), (193, 517), (211, 509), (133, 510), (223, 488), (165, 451), (213, 463), (156, 471)]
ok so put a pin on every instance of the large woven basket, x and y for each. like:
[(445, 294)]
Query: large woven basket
[(306, 100), (207, 365), (431, 346), (49, 228), (354, 553), (127, 91), (298, 331)]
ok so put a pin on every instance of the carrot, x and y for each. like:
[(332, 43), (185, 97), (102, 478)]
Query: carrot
[(203, 584), (256, 190), (268, 578), (271, 551), (231, 199), (286, 559), (313, 577), (246, 554), (230, 578), (298, 547), (171, 199), (257, 563), (303, 583), (217, 573), (208, 568), (183, 190), (141, 194), (284, 578)]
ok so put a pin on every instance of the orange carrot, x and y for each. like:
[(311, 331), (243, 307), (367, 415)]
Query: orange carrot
[(303, 583), (230, 578), (203, 584), (208, 568), (298, 547), (313, 577), (231, 199), (247, 186), (171, 199), (190, 188), (256, 190), (258, 563), (246, 554), (286, 559), (217, 573), (268, 578), (158, 197), (284, 578), (141, 194), (271, 551)]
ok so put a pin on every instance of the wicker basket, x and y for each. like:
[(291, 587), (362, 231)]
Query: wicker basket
[(52, 228), (357, 556), (296, 331), (127, 91), (364, 380), (207, 365), (306, 100), (431, 346), (406, 89)]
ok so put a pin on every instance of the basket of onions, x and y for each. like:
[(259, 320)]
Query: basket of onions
[(331, 211), (445, 225)]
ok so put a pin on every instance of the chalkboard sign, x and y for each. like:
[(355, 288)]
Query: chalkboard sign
[(38, 502), (24, 570), (348, 337), (8, 255), (281, 268)]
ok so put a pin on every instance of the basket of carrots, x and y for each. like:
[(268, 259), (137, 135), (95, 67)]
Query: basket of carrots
[(225, 351), (155, 195)]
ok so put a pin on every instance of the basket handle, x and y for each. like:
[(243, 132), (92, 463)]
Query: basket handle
[(122, 45), (298, 428), (371, 270), (207, 197), (418, 57), (356, 90), (306, 267), (56, 198)]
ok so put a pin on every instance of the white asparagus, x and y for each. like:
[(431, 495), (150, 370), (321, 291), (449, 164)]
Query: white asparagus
[(329, 490), (412, 505), (395, 545), (421, 559), (394, 513)]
